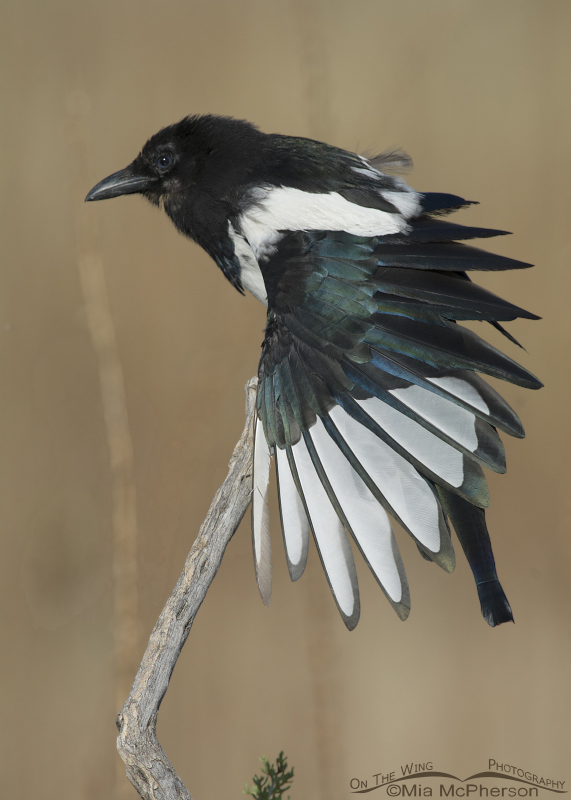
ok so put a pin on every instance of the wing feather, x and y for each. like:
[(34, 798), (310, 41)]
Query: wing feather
[(359, 510), (293, 516), (369, 394), (330, 538), (261, 514)]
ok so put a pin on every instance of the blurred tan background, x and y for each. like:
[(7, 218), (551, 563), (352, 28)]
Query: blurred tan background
[(477, 91)]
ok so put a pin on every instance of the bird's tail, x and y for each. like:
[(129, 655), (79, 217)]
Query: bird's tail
[(470, 525)]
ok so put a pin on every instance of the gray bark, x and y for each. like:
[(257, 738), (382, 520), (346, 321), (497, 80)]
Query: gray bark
[(146, 764)]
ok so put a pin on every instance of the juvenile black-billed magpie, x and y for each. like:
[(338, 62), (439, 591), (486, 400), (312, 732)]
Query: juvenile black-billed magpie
[(368, 394)]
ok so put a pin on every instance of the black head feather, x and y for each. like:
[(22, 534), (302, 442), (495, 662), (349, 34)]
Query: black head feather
[(207, 153)]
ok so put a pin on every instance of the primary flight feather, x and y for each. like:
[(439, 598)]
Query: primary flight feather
[(368, 395)]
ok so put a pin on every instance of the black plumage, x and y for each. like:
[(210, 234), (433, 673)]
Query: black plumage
[(368, 394)]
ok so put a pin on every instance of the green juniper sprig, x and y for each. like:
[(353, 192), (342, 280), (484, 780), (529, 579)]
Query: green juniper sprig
[(274, 780)]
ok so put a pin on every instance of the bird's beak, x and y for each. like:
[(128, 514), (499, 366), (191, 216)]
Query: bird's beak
[(126, 181)]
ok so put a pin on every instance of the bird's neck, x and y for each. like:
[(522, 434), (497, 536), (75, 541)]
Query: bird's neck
[(206, 223)]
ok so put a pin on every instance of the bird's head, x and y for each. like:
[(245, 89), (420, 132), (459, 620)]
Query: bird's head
[(204, 153)]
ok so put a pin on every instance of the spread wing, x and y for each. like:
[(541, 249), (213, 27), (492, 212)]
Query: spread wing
[(370, 400)]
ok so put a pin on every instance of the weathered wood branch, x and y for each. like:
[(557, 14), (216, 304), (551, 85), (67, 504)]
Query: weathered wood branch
[(146, 764)]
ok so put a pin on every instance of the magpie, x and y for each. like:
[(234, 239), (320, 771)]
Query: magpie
[(369, 396)]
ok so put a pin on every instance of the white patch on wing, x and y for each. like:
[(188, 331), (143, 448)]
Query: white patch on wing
[(329, 532), (407, 202), (261, 513), (294, 519), (368, 520), (287, 209), (398, 481), (457, 423), (427, 448), (250, 272), (462, 389)]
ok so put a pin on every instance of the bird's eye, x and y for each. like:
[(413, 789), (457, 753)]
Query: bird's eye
[(164, 161)]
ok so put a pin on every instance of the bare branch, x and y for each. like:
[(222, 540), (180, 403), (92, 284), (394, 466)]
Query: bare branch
[(146, 764)]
